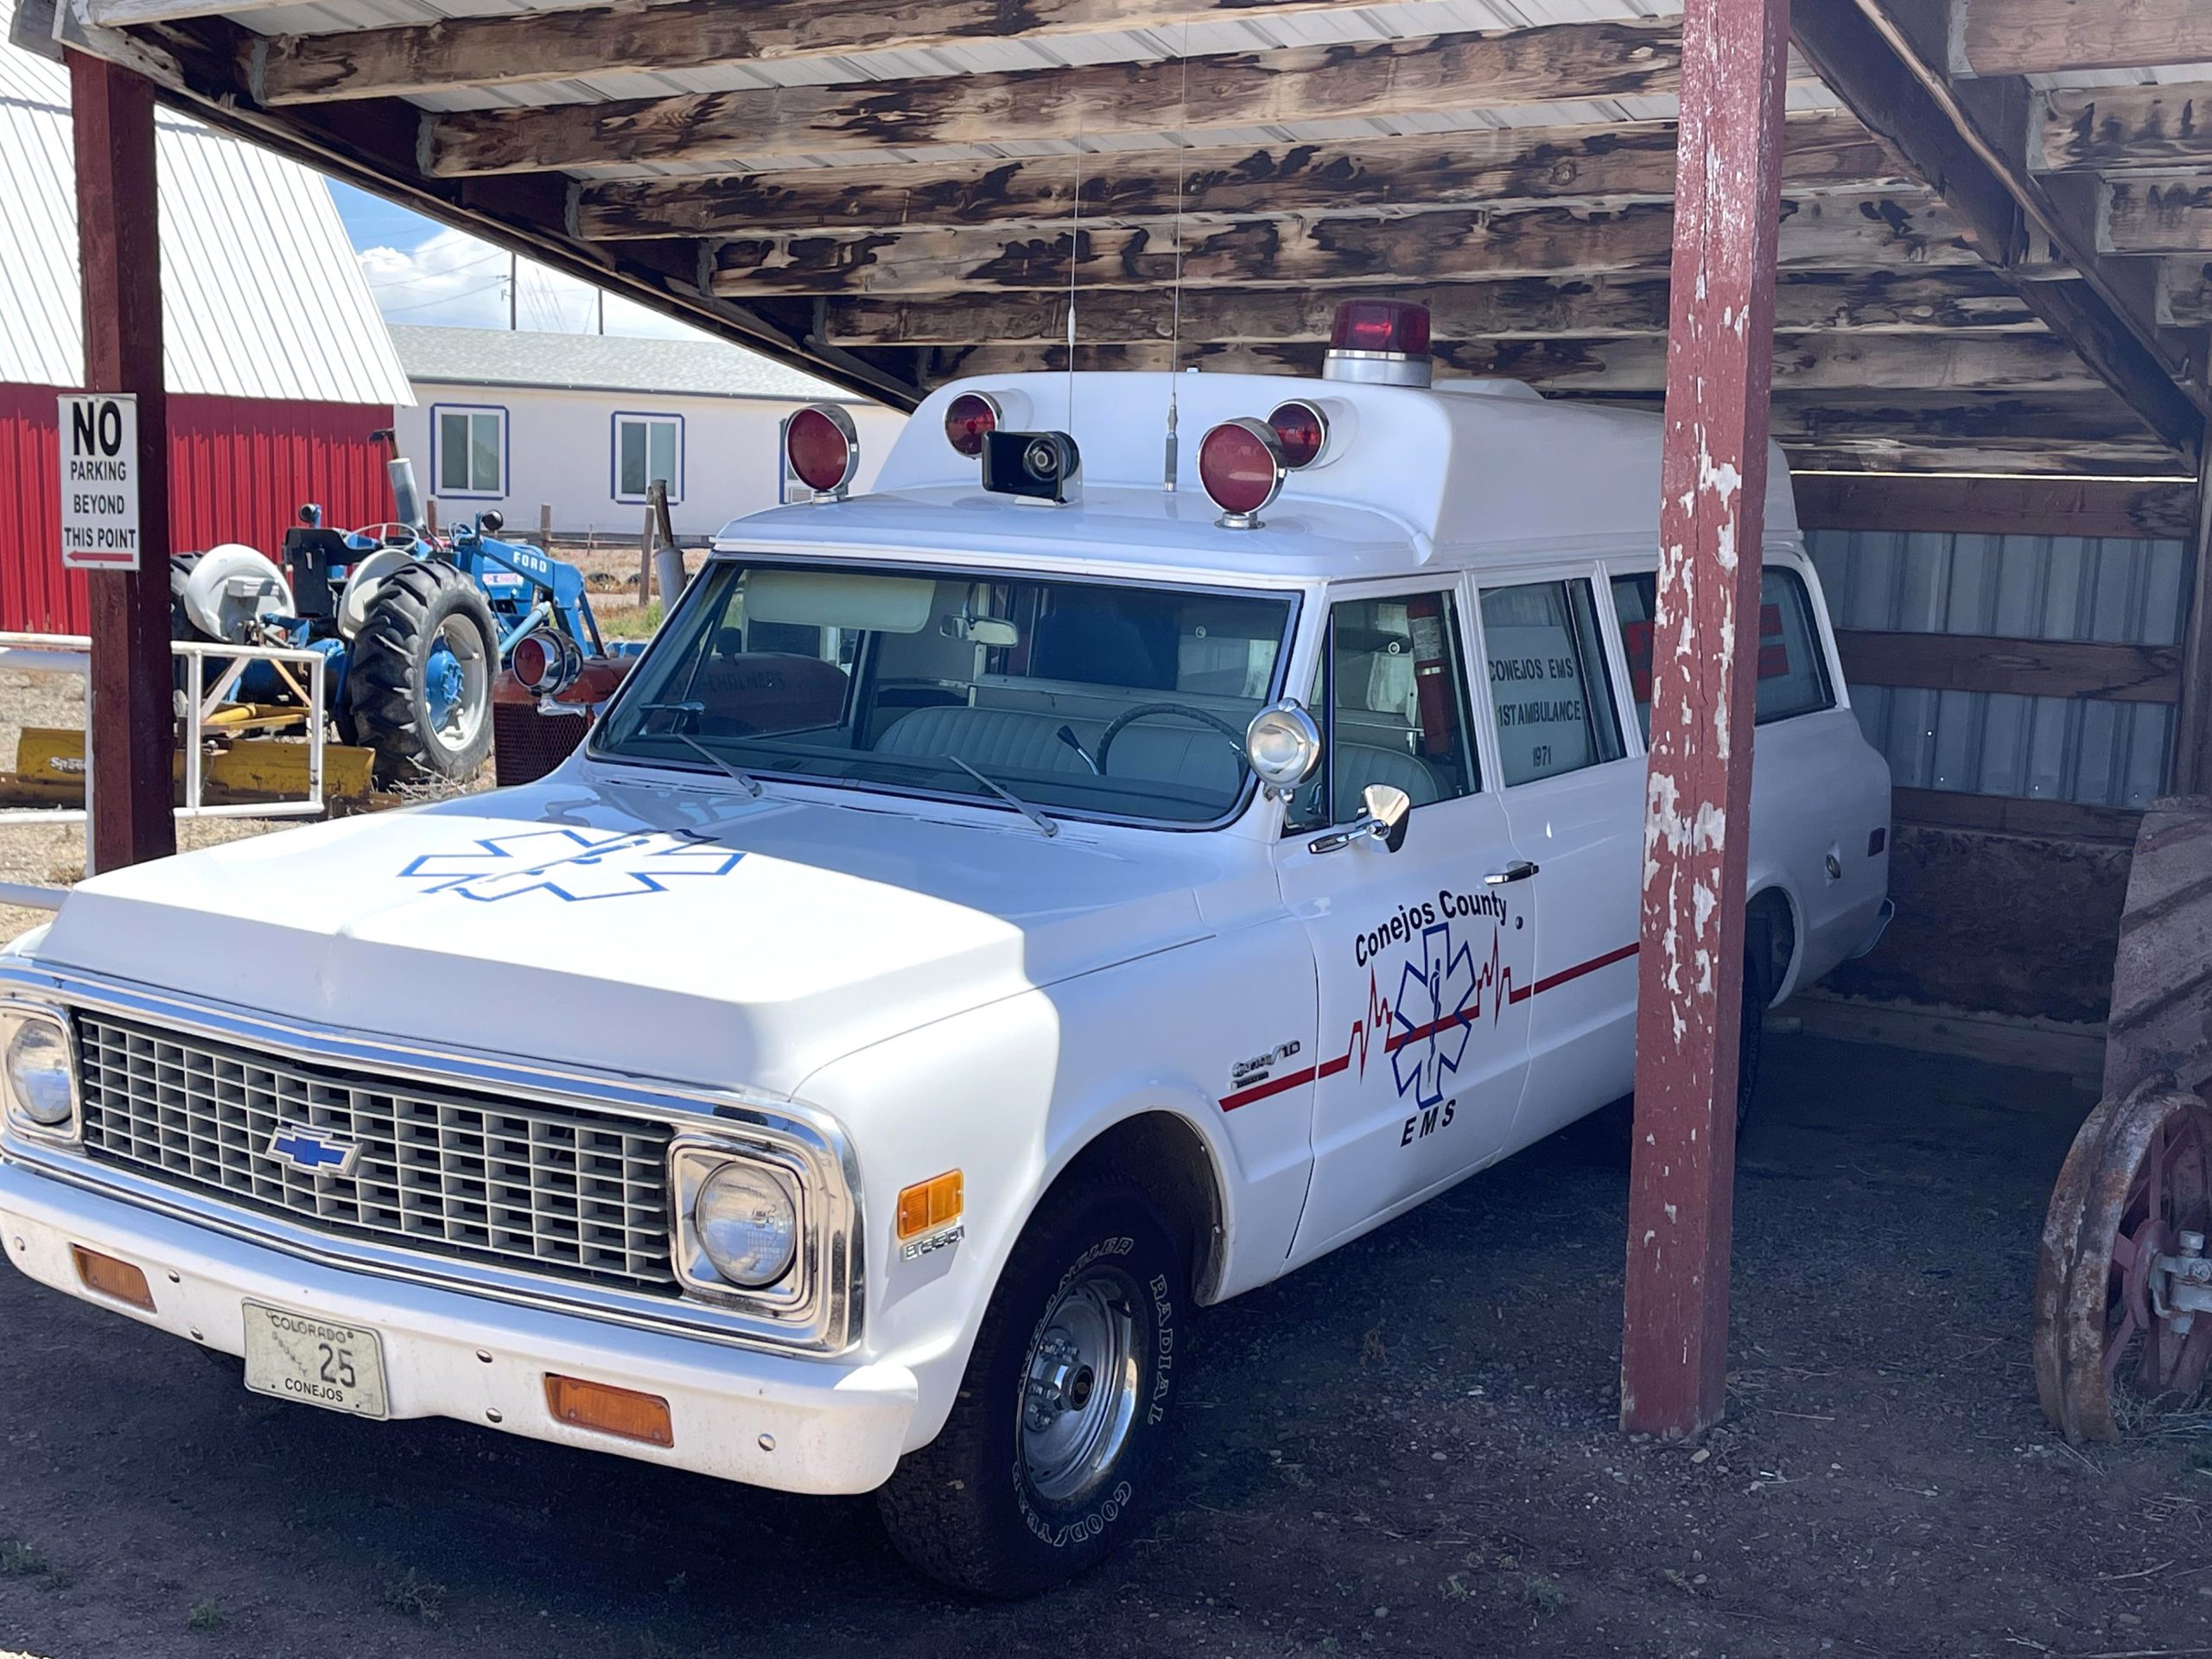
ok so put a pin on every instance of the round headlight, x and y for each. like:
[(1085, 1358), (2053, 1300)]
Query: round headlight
[(38, 1073), (1283, 745), (748, 1222)]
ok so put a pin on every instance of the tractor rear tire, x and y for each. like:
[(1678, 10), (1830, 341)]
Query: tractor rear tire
[(423, 732)]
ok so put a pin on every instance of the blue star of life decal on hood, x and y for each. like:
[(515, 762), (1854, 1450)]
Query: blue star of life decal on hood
[(1432, 1015), (571, 864)]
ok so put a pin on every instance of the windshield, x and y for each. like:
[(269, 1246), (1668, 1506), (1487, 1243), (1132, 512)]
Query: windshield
[(1089, 697)]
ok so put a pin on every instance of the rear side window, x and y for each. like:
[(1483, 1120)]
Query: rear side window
[(1548, 681), (1793, 669)]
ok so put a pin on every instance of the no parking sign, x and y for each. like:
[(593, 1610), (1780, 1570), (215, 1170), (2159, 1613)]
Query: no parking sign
[(100, 481)]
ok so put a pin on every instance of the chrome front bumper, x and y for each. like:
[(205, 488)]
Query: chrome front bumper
[(796, 1424)]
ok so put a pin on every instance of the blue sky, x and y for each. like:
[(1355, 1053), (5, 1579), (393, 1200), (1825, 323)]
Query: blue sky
[(421, 272)]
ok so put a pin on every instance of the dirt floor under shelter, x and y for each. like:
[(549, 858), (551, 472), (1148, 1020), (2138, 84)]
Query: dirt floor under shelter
[(1407, 1448)]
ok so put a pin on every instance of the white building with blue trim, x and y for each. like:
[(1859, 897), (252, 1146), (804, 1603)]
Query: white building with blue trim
[(583, 424)]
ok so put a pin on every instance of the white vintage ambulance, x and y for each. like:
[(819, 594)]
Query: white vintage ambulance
[(1074, 883)]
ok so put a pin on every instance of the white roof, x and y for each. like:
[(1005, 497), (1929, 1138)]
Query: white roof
[(1458, 476), (700, 367), (261, 295)]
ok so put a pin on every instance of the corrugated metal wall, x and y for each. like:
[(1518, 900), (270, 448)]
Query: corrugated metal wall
[(2022, 586), (238, 469)]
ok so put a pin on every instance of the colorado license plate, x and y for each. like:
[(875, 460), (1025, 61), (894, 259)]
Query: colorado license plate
[(298, 1357)]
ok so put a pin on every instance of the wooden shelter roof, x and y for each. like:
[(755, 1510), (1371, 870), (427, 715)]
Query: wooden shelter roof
[(1995, 252)]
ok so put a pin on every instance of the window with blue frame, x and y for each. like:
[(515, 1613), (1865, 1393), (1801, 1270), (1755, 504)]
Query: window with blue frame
[(472, 451), (648, 449)]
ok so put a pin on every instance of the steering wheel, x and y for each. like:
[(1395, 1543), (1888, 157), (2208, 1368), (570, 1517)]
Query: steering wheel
[(403, 537), (1127, 716)]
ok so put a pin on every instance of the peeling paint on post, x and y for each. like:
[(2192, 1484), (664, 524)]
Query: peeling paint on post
[(1674, 1349)]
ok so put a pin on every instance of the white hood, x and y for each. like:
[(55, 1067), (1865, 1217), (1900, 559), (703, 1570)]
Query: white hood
[(665, 932)]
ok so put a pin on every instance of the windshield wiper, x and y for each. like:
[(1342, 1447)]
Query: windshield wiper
[(1008, 797), (744, 780)]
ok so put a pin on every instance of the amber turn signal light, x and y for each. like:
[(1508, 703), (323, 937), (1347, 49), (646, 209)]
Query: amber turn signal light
[(111, 1278), (623, 1412), (930, 1203)]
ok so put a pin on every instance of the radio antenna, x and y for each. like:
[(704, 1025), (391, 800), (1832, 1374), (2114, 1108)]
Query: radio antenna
[(1075, 254), (1175, 328)]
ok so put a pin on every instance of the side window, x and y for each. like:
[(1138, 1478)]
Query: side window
[(1393, 703), (648, 447), (1793, 669), (472, 451), (1547, 680)]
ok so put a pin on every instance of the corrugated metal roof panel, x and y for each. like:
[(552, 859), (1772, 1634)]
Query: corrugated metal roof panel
[(261, 296)]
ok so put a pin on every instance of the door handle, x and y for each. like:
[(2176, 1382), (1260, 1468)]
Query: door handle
[(1519, 870)]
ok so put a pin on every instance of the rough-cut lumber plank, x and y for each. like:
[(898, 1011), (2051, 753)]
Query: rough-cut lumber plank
[(2028, 668), (1488, 167), (1566, 62), (125, 13), (1801, 362), (2033, 458), (2185, 294), (1974, 159), (2156, 216), (2192, 769), (2013, 814), (2116, 129), (2041, 37), (1827, 232), (1997, 506), (583, 42), (1540, 307)]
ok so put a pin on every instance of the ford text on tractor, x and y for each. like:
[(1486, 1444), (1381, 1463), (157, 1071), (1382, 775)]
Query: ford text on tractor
[(414, 626), (1028, 903)]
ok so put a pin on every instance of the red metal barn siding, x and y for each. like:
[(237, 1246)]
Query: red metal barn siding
[(238, 469)]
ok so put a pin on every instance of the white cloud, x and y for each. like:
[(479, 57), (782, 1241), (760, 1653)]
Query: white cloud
[(458, 281)]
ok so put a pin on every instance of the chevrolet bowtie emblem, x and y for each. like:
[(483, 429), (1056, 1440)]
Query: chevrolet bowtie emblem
[(313, 1152)]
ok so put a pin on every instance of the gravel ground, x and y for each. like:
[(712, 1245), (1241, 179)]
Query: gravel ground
[(1408, 1449)]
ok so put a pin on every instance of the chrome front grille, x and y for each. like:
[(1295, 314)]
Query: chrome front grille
[(558, 1189)]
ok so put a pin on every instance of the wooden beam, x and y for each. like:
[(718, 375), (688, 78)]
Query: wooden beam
[(2049, 37), (1907, 302), (584, 42), (1827, 232), (2192, 768), (2148, 216), (1566, 62), (2034, 459), (2185, 294), (2093, 426), (2014, 815), (1713, 491), (1867, 59), (2121, 129), (119, 244), (124, 14), (1801, 362), (1999, 506), (1489, 167), (2027, 668)]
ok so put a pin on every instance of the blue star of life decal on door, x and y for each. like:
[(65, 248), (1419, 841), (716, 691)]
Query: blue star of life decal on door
[(1432, 1015), (571, 864)]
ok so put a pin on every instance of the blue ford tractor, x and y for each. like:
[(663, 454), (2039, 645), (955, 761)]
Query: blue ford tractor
[(414, 626)]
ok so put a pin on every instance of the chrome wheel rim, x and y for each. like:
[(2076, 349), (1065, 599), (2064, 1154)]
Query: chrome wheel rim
[(457, 716), (1079, 1387)]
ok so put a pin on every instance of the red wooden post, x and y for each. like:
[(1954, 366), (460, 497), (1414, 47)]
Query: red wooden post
[(133, 732), (1727, 209)]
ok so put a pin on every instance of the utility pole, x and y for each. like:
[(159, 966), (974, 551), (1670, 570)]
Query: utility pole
[(514, 288), (602, 310)]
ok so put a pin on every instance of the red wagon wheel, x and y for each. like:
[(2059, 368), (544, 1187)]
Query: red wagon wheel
[(2138, 1180)]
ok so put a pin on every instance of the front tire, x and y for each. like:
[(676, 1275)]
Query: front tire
[(420, 682), (1053, 1446)]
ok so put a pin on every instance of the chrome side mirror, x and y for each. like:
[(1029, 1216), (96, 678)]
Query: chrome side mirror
[(1282, 746), (1386, 810)]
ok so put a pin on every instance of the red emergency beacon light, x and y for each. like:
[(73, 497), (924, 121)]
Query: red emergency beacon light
[(969, 419), (1379, 343), (1241, 469), (1302, 429), (821, 450)]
